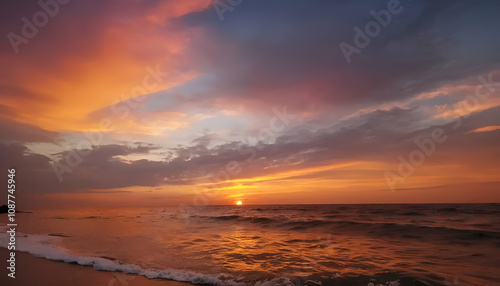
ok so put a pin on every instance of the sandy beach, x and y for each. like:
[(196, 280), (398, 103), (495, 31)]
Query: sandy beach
[(35, 271)]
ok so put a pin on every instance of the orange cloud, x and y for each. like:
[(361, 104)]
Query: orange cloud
[(486, 129), (119, 66)]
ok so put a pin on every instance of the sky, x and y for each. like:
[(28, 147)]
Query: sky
[(198, 102)]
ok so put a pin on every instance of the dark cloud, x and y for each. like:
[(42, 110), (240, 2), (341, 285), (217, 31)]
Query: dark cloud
[(287, 52), (16, 131), (204, 140), (267, 53), (102, 169)]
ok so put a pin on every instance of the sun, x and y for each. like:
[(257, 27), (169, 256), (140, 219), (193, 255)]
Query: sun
[(239, 203)]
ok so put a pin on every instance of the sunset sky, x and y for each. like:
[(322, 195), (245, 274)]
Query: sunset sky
[(194, 102)]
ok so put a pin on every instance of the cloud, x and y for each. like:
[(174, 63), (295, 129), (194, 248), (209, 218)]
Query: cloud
[(104, 51), (204, 139), (217, 83), (290, 54), (189, 165), (15, 131)]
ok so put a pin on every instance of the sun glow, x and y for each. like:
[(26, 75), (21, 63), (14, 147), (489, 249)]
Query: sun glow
[(239, 203)]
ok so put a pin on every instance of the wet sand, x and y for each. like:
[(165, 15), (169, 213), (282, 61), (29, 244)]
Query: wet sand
[(35, 271)]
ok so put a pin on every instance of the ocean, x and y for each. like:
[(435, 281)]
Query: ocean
[(417, 244)]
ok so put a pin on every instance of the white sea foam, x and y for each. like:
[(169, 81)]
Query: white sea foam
[(42, 245)]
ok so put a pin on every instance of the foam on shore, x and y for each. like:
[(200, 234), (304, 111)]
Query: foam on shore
[(42, 245)]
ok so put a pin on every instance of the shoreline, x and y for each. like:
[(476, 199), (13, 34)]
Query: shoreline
[(37, 271)]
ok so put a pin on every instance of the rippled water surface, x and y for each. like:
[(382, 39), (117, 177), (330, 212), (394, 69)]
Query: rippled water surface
[(283, 245)]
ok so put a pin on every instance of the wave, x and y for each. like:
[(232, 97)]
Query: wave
[(413, 214), (42, 245), (261, 220), (373, 228), (394, 229)]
